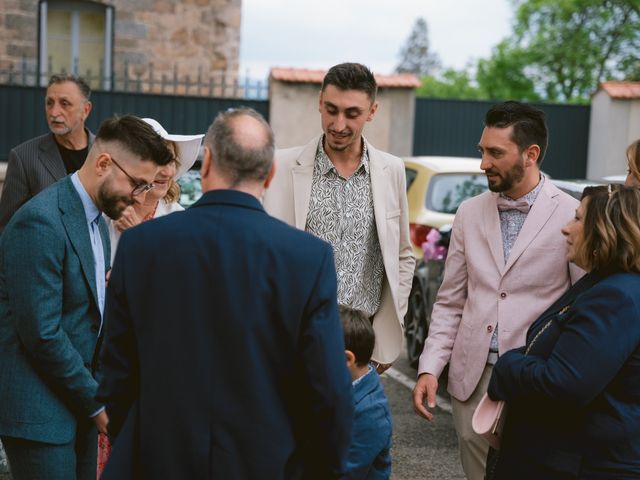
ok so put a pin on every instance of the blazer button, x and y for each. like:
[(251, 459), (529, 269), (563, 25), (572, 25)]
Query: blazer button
[(94, 328), (489, 328), (503, 295)]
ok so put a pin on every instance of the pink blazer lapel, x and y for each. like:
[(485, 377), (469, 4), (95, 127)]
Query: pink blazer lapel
[(492, 230), (540, 212)]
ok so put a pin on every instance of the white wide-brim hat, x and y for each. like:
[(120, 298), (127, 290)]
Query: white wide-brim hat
[(188, 146)]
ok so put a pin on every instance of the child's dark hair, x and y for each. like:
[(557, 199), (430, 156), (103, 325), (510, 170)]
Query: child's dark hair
[(359, 337)]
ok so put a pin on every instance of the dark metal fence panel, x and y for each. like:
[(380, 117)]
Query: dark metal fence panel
[(454, 127), (22, 113), (21, 116), (144, 79)]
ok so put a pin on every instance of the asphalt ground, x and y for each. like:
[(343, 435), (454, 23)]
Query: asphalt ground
[(421, 450)]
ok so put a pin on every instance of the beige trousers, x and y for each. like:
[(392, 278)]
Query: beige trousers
[(473, 448)]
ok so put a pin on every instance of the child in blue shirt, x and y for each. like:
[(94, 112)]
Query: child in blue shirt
[(370, 451)]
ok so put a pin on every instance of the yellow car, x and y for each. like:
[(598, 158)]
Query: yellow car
[(436, 186)]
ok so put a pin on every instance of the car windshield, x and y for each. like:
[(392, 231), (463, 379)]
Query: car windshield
[(411, 175), (447, 191)]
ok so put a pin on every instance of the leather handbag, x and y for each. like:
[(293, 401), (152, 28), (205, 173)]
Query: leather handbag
[(488, 420)]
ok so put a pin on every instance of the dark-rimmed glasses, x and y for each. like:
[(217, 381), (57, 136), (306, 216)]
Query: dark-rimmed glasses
[(138, 188)]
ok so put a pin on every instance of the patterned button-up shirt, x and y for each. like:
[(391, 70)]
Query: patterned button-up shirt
[(511, 222), (341, 213)]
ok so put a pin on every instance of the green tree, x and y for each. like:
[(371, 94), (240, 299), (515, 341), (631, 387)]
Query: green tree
[(572, 45), (504, 75), (450, 84), (416, 55)]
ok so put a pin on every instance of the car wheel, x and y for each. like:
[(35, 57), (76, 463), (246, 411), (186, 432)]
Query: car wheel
[(415, 324)]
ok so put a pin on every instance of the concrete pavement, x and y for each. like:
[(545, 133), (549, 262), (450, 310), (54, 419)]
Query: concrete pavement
[(421, 450)]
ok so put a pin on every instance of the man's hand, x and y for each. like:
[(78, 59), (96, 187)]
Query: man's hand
[(102, 421), (426, 386), (128, 219)]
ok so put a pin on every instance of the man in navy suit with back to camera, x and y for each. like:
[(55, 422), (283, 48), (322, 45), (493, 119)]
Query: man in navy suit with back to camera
[(224, 355)]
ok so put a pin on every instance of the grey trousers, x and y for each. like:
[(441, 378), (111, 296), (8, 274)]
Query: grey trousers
[(29, 460), (473, 448)]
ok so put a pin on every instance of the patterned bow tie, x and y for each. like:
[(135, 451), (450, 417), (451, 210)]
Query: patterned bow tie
[(507, 204)]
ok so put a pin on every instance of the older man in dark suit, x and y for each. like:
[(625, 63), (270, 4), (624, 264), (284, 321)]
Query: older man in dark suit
[(223, 355), (54, 254), (41, 161)]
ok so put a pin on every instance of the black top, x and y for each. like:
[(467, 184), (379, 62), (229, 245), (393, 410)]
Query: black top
[(73, 159)]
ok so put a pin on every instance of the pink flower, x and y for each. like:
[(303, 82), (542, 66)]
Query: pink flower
[(432, 250)]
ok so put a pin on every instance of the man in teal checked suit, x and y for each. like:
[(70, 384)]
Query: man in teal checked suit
[(54, 255)]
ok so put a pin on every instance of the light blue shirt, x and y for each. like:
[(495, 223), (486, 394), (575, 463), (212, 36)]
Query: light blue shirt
[(92, 215)]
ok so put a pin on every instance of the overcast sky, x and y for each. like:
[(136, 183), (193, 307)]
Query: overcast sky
[(322, 33)]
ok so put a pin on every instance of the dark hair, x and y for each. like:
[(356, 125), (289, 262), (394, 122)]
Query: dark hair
[(359, 337), (351, 76), (83, 86), (529, 127), (611, 229), (237, 157), (136, 136)]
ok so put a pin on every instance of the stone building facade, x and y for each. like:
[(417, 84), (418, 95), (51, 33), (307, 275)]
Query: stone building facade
[(122, 40)]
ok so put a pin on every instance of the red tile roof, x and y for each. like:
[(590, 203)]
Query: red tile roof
[(621, 89), (302, 75)]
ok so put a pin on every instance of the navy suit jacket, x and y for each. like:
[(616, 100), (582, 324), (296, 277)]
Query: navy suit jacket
[(49, 317), (574, 400), (223, 355)]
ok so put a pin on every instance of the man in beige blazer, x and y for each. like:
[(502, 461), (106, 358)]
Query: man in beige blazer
[(342, 189), (506, 264)]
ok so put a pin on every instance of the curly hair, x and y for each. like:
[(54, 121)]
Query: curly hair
[(173, 192), (633, 158), (611, 239)]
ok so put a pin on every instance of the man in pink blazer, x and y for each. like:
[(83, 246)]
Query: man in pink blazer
[(506, 264), (343, 190)]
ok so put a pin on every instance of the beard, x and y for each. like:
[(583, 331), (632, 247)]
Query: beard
[(507, 180), (348, 140), (111, 204), (59, 128)]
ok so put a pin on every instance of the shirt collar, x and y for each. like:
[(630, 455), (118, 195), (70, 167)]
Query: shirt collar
[(326, 165), (530, 197), (90, 210), (359, 379)]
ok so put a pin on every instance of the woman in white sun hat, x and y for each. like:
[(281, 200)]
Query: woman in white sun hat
[(162, 199)]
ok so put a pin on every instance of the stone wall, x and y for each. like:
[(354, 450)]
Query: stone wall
[(177, 37), (190, 36), (19, 33)]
